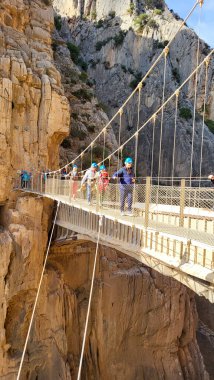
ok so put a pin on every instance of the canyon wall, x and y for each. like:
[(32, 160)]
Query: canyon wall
[(119, 52), (142, 325)]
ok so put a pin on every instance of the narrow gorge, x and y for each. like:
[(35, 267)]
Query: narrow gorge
[(65, 69)]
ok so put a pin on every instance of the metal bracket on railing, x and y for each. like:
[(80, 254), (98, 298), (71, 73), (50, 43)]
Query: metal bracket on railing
[(101, 220)]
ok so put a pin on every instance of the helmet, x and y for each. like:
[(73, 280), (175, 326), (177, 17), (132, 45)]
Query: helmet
[(94, 165), (128, 160), (74, 166), (102, 167)]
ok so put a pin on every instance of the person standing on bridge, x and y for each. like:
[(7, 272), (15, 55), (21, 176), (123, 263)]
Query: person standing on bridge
[(126, 177), (103, 182), (74, 176), (90, 179)]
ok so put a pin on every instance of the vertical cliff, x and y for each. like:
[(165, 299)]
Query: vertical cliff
[(143, 325), (119, 41)]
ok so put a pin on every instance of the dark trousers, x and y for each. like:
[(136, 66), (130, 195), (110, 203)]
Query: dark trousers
[(126, 192)]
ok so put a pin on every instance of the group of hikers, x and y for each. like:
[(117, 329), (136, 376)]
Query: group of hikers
[(100, 177)]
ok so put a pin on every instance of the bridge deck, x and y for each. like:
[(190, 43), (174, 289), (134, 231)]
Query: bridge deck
[(178, 239)]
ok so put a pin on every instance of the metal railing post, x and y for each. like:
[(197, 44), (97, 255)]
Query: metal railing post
[(182, 203), (147, 200)]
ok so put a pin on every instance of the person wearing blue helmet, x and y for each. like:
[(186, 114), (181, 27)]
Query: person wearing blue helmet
[(90, 179), (126, 178), (102, 182)]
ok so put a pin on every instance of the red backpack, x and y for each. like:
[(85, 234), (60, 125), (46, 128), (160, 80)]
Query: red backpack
[(103, 180)]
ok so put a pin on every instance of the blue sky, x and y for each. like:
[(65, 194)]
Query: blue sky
[(206, 28)]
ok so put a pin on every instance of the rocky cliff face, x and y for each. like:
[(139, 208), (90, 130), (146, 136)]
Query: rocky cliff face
[(34, 121), (131, 335), (34, 110), (120, 41), (145, 331)]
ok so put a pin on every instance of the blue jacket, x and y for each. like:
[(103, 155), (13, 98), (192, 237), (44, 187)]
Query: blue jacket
[(125, 176)]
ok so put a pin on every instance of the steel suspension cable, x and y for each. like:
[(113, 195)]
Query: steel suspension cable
[(166, 102), (195, 98), (89, 301), (37, 295), (162, 111), (104, 143), (144, 78), (175, 133), (204, 112), (119, 140), (138, 124), (153, 142)]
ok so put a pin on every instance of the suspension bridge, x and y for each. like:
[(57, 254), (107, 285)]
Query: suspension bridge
[(171, 227)]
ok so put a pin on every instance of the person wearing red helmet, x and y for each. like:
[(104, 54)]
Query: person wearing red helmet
[(103, 182)]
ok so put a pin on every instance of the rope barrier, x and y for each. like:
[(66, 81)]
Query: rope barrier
[(37, 296), (89, 301)]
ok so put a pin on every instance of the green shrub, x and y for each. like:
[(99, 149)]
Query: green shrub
[(48, 2), (66, 144), (94, 15), (91, 128), (76, 132), (112, 14), (176, 75), (99, 24), (100, 44), (144, 20), (74, 52), (58, 22), (141, 21), (158, 11), (103, 106), (152, 23), (131, 9), (54, 45), (74, 115), (82, 64), (83, 94), (106, 65), (134, 82), (131, 71), (185, 113), (210, 124), (154, 4), (83, 76), (118, 39)]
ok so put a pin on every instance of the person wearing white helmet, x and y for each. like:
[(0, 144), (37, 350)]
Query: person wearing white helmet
[(126, 177), (89, 178)]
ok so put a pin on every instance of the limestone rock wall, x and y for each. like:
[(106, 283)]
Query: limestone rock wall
[(34, 111), (131, 335), (117, 66)]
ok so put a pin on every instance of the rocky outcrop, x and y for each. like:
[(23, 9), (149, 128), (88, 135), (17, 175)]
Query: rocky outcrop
[(88, 117), (119, 50), (34, 110), (142, 324), (131, 335), (34, 120)]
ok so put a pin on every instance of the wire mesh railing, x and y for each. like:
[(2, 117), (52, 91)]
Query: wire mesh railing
[(174, 214)]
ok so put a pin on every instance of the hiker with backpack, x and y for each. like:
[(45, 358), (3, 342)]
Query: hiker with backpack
[(126, 178)]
